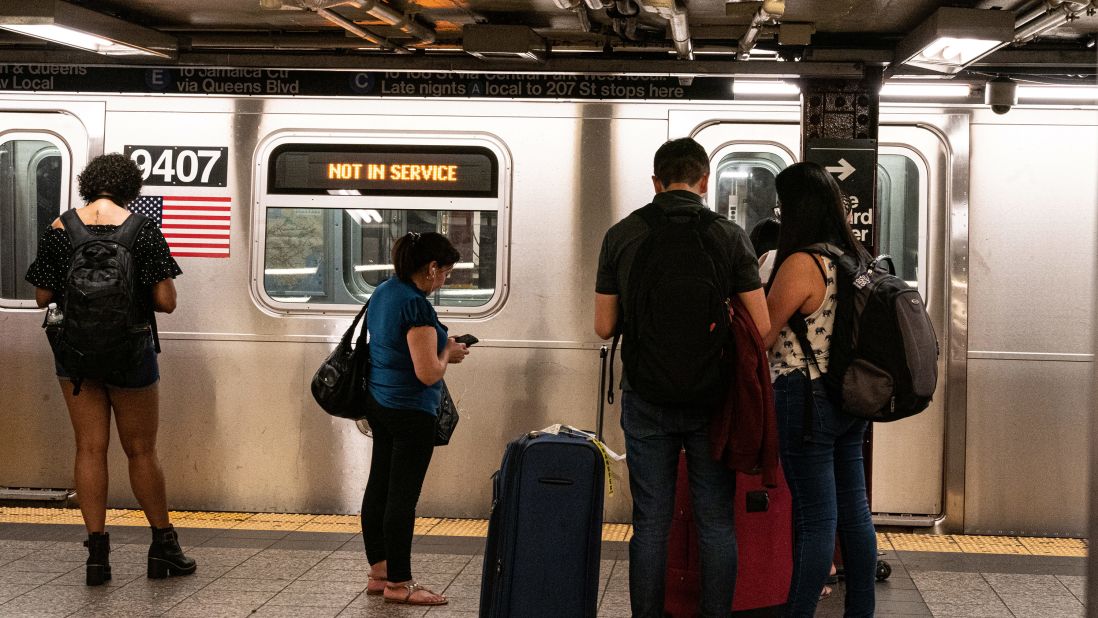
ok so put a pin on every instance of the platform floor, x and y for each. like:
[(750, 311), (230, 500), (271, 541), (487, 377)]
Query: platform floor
[(274, 567)]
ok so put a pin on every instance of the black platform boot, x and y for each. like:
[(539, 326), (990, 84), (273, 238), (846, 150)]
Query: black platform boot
[(166, 557), (99, 551)]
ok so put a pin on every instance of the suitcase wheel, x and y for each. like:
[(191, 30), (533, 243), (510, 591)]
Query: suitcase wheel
[(883, 570)]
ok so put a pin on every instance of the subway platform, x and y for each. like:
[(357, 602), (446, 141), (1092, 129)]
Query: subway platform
[(302, 566)]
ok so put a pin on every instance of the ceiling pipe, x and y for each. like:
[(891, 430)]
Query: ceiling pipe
[(770, 11), (359, 31), (374, 8), (1049, 16), (390, 16), (676, 16)]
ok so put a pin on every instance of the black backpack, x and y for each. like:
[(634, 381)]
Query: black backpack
[(106, 329), (883, 363), (676, 320)]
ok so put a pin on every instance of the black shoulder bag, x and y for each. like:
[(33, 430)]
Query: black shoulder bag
[(447, 418), (339, 386)]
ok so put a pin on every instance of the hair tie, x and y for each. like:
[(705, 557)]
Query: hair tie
[(414, 236)]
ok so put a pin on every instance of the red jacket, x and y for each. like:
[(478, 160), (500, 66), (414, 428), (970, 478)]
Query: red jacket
[(744, 432)]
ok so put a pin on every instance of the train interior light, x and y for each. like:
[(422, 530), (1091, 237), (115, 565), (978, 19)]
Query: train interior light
[(928, 91), (1084, 94), (748, 87), (75, 26), (953, 38)]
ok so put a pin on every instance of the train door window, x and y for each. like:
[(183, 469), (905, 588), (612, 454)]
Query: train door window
[(900, 196), (331, 209), (33, 169), (741, 183)]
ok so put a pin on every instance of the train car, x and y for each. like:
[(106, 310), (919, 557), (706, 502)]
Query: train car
[(281, 211)]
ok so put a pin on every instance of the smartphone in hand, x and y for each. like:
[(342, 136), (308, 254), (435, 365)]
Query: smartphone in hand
[(468, 340)]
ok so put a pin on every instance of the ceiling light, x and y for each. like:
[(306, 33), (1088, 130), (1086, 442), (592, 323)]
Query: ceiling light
[(764, 88), (929, 91), (953, 38), (1059, 93), (75, 26)]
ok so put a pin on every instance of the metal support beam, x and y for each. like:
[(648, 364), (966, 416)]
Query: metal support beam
[(841, 108), (456, 62)]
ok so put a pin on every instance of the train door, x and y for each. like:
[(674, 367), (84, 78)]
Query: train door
[(40, 155), (908, 456)]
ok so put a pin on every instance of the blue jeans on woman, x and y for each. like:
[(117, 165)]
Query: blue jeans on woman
[(827, 479), (654, 436)]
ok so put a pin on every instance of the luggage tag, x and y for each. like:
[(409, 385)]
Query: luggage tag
[(608, 455)]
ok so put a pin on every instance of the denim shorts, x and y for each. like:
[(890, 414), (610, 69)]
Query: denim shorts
[(143, 376)]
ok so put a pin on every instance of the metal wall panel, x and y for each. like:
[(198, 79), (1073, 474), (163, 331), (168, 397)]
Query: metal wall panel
[(1032, 218), (1027, 447)]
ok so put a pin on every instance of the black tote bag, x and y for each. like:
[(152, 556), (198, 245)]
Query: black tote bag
[(447, 418), (339, 386)]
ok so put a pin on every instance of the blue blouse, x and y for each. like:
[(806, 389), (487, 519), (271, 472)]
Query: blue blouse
[(396, 307)]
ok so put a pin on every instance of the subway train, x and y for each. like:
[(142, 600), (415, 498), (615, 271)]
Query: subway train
[(281, 211)]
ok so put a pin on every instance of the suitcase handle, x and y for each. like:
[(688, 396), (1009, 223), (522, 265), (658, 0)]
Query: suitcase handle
[(602, 387)]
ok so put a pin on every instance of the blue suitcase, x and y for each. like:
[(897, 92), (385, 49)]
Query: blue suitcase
[(545, 531)]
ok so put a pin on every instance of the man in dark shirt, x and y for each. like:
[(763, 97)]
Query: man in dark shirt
[(654, 434)]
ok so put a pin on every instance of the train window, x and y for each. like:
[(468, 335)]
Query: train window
[(899, 185), (743, 186), (331, 211), (33, 169)]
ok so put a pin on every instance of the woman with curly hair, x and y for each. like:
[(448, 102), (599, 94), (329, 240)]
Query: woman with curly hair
[(107, 185)]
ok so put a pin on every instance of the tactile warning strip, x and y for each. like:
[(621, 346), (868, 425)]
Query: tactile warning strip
[(434, 526)]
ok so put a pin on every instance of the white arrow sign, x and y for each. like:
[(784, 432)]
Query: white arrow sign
[(843, 169)]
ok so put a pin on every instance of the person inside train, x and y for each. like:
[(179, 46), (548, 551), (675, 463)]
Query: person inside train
[(764, 238), (694, 262), (822, 463), (409, 353), (129, 390)]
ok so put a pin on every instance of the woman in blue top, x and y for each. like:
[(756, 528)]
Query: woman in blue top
[(409, 353)]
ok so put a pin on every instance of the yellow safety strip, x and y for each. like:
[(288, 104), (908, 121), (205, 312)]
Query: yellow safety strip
[(437, 526)]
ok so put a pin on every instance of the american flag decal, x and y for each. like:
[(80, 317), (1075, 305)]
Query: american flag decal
[(194, 226)]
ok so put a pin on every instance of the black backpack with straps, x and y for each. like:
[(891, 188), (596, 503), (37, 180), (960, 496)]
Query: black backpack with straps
[(883, 361), (676, 320), (106, 328)]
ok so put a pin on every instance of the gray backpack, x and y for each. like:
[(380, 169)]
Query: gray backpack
[(883, 364)]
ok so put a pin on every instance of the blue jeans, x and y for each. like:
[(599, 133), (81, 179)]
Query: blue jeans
[(827, 479), (654, 436)]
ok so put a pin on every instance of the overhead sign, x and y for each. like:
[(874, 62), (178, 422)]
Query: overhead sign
[(853, 163), (284, 82), (373, 169)]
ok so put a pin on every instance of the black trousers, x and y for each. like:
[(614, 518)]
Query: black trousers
[(403, 445)]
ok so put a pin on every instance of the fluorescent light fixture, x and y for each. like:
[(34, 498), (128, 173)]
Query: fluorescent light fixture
[(290, 271), (953, 38), (929, 91), (292, 299), (75, 26), (1059, 93), (748, 87), (736, 174)]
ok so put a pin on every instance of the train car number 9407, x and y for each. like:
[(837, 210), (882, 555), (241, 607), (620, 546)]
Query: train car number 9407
[(181, 166)]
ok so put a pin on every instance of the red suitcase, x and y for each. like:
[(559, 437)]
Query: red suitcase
[(765, 540)]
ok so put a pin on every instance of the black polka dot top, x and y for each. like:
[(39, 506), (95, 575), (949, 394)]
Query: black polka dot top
[(50, 267)]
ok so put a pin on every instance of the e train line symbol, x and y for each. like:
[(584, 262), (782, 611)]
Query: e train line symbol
[(194, 226)]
